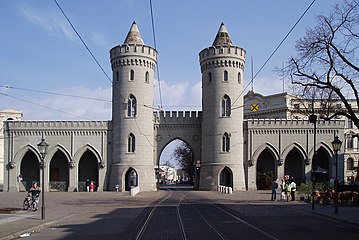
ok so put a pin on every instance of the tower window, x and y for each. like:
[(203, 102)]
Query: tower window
[(350, 141), (350, 164), (117, 77), (210, 77), (132, 106), (131, 143), (132, 75), (239, 78), (225, 76), (225, 142), (147, 77), (226, 106)]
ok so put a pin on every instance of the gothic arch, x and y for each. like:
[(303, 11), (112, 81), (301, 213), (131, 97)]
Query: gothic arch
[(226, 177), (261, 148), (130, 178), (61, 148), (83, 149), (21, 153), (292, 146), (170, 141)]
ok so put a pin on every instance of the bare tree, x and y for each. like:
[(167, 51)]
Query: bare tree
[(326, 68), (184, 156)]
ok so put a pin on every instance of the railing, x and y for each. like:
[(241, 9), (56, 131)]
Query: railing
[(58, 186), (225, 189)]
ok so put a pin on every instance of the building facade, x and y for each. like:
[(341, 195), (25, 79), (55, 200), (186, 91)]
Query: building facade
[(233, 143)]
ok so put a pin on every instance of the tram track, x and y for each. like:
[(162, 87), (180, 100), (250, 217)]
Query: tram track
[(185, 215)]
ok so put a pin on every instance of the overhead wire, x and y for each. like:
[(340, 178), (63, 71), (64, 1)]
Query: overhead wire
[(83, 42)]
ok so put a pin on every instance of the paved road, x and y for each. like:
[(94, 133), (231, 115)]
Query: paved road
[(176, 214)]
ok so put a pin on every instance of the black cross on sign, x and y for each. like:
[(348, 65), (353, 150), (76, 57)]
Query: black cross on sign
[(254, 107)]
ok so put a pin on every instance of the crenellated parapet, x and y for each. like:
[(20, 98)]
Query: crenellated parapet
[(292, 126), (177, 117), (45, 125), (138, 55), (216, 56)]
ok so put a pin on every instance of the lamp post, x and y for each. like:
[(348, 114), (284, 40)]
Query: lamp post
[(313, 119), (198, 165), (336, 147), (42, 147)]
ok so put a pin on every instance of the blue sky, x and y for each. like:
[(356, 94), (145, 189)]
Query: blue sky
[(40, 51)]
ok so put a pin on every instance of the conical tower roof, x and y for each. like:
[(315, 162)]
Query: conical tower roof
[(134, 36), (222, 37)]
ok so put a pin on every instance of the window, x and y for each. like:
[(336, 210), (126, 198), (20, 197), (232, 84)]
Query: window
[(131, 144), (117, 77), (147, 77), (225, 142), (296, 106), (349, 141), (310, 105), (239, 78), (225, 76), (210, 77), (131, 106), (226, 106), (350, 123), (132, 75), (338, 106), (350, 164)]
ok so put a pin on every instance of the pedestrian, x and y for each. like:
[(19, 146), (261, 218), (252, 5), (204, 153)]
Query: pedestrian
[(287, 190), (283, 194), (87, 185), (274, 187), (293, 188), (92, 186)]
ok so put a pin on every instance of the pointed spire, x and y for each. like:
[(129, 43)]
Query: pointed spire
[(222, 37), (134, 36)]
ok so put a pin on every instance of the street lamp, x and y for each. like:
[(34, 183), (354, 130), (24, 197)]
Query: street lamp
[(42, 147), (198, 165), (313, 119), (336, 147)]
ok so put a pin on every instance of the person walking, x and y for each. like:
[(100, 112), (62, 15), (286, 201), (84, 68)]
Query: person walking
[(92, 186), (283, 193), (287, 190), (293, 188), (274, 187), (87, 185)]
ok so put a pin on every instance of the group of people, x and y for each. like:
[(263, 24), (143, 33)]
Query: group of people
[(288, 189), (90, 186)]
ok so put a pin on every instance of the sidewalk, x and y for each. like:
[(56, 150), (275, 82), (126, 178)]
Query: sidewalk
[(117, 209)]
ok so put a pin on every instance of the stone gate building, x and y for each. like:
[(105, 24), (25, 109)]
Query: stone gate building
[(232, 143)]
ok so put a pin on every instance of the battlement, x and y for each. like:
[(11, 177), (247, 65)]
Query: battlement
[(222, 51), (96, 125), (210, 57), (177, 117), (296, 123), (132, 49)]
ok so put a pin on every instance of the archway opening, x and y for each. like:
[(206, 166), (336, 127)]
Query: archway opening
[(131, 179), (294, 166), (59, 172), (29, 171), (226, 177), (265, 170), (176, 164), (88, 169), (322, 174)]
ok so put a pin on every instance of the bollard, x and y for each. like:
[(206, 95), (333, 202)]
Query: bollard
[(230, 191)]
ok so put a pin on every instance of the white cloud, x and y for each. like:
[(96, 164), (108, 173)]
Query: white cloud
[(266, 86), (99, 39), (49, 21)]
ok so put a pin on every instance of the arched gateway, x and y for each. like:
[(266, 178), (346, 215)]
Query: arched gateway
[(124, 153)]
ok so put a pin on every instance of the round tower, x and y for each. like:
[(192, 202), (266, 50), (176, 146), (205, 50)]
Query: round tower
[(222, 67), (133, 66)]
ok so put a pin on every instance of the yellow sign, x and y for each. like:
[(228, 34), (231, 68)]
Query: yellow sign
[(254, 107)]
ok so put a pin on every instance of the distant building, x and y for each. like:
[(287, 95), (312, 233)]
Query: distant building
[(235, 138)]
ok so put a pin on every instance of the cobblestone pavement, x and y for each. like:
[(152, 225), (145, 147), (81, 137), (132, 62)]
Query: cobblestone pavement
[(72, 212)]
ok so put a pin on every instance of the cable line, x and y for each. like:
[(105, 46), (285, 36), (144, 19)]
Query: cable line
[(155, 45), (54, 93), (83, 42)]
